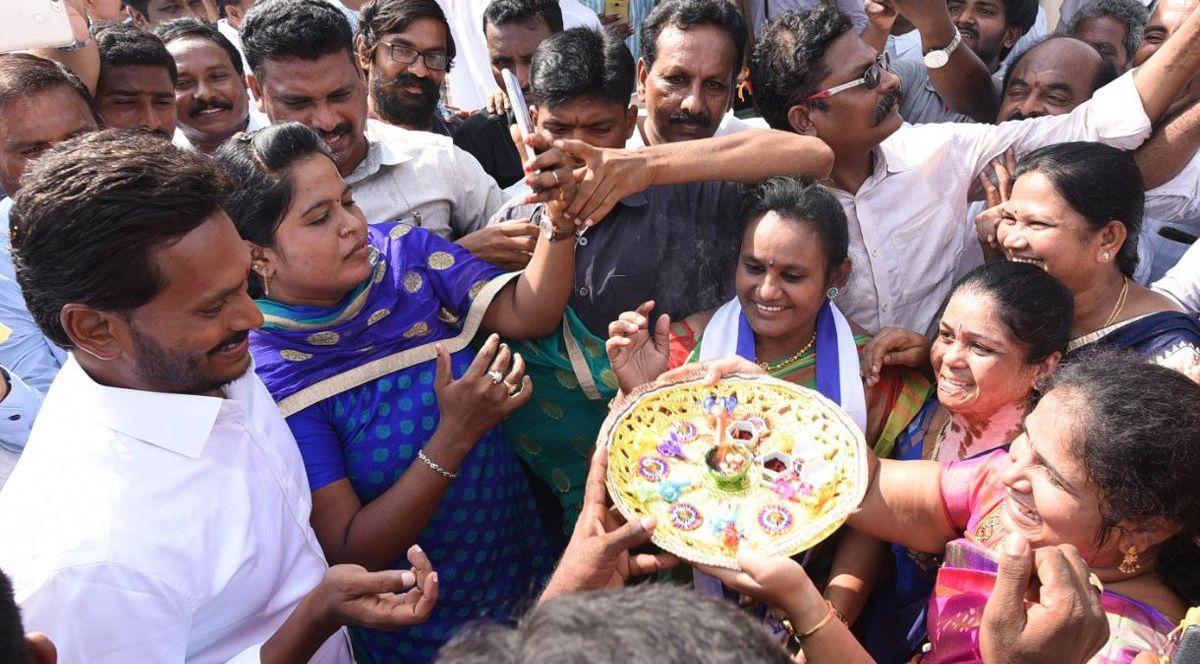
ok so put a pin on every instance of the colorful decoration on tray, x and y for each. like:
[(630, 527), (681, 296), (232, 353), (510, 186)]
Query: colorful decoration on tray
[(757, 461)]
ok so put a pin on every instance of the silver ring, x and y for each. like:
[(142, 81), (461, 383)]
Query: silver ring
[(496, 377)]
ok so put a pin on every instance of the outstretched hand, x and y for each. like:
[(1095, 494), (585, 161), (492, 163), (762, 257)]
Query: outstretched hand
[(350, 595), (637, 354), (598, 554), (893, 346), (605, 176)]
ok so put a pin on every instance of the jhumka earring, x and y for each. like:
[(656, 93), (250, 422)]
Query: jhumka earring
[(1130, 563), (833, 292)]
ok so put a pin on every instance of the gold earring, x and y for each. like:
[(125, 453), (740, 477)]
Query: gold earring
[(1130, 563), (266, 279)]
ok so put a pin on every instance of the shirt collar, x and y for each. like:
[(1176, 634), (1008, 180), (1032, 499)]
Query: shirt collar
[(891, 157), (384, 148), (180, 423)]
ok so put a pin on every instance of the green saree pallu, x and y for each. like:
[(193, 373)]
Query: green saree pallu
[(556, 431)]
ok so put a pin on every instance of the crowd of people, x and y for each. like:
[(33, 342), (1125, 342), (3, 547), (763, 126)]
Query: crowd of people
[(305, 345)]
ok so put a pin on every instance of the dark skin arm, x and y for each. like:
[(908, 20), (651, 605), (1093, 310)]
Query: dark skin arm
[(964, 82), (1170, 147)]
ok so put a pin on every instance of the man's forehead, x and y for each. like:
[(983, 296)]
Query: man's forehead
[(1059, 58), (310, 77), (205, 261), (125, 78), (206, 49), (1170, 13)]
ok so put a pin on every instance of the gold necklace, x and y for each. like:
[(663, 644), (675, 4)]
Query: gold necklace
[(1120, 303), (772, 366)]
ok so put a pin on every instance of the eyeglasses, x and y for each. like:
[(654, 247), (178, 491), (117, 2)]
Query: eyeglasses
[(403, 55), (870, 79)]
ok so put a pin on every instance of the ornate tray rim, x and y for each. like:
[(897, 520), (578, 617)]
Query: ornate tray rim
[(835, 517)]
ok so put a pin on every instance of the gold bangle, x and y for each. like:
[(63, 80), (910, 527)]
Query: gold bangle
[(829, 615)]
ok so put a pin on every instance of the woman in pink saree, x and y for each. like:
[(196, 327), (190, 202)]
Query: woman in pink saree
[(1106, 464)]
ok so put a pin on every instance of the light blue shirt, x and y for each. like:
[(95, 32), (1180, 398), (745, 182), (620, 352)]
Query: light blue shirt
[(31, 360)]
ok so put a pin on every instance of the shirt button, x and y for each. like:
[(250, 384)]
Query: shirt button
[(875, 253), (583, 241), (584, 291), (885, 307)]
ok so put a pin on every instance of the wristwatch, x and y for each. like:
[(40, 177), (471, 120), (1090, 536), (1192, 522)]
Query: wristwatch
[(547, 228), (937, 58)]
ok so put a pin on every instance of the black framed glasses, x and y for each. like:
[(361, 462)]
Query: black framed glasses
[(403, 55)]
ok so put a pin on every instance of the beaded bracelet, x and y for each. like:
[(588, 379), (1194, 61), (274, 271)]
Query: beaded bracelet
[(433, 465)]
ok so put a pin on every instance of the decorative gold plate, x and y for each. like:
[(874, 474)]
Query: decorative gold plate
[(751, 462)]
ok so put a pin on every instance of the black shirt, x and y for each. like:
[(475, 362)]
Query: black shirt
[(485, 137), (677, 245)]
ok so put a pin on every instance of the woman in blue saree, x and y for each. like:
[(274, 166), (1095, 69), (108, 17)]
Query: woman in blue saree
[(1076, 211), (366, 329)]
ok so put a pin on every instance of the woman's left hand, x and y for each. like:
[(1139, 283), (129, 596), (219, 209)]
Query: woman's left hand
[(492, 387), (777, 580)]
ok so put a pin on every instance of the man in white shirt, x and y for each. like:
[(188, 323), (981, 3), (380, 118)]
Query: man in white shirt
[(160, 512), (905, 188), (212, 102), (230, 24), (303, 69)]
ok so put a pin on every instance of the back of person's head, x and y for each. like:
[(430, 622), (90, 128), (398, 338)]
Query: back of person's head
[(787, 65), (687, 14), (1137, 432), (504, 12), (126, 46), (91, 215), (194, 28), (385, 17), (646, 624), (15, 646), (23, 75), (294, 30), (1100, 182), (258, 166), (1036, 308), (1130, 12), (1106, 71), (581, 62), (803, 202), (1020, 13)]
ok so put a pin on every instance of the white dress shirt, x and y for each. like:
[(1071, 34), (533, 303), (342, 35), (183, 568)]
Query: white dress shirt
[(906, 220), (423, 179), (1182, 282), (153, 527)]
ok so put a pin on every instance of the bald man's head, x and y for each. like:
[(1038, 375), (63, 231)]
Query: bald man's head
[(1052, 78)]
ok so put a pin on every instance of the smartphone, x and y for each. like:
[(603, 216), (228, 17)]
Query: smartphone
[(516, 99), (27, 24), (618, 8)]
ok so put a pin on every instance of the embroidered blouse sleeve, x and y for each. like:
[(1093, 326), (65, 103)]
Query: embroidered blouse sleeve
[(455, 274)]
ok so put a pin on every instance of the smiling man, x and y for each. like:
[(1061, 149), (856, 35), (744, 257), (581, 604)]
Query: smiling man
[(1112, 27), (691, 53), (406, 48), (905, 188), (136, 89), (304, 69), (211, 99)]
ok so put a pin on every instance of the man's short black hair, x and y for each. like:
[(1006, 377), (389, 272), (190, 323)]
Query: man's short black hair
[(788, 62), (23, 75), (184, 28), (685, 14), (123, 45), (92, 214), (503, 12), (622, 626), (385, 17), (294, 30), (142, 6), (1105, 74), (12, 634), (581, 62), (1021, 13)]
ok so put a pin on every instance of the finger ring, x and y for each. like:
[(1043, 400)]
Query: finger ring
[(557, 180), (1095, 582), (496, 377), (512, 389)]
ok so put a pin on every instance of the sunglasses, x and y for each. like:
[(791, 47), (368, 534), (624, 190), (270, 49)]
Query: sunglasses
[(403, 55), (870, 79)]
